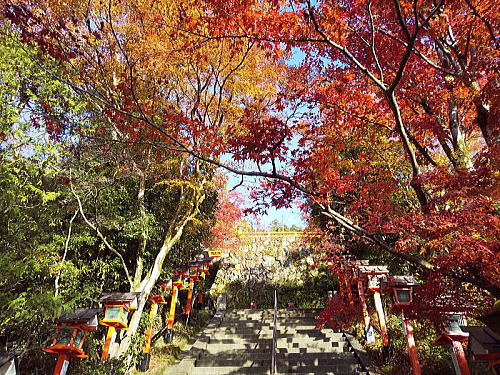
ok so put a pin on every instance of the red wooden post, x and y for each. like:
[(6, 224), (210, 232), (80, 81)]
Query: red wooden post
[(458, 352), (374, 273), (453, 336), (61, 365), (117, 308), (411, 347), (370, 338), (110, 339), (381, 318), (349, 290), (187, 309), (143, 364), (173, 303)]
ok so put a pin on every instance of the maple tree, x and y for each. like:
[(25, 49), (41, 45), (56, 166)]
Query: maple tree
[(388, 126), (399, 136), (227, 217), (143, 86)]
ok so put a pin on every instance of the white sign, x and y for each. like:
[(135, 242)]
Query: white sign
[(64, 367), (370, 335)]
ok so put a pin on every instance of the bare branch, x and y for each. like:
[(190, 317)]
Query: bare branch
[(410, 45), (66, 245), (372, 31), (349, 225), (343, 50), (100, 235), (417, 52), (402, 22)]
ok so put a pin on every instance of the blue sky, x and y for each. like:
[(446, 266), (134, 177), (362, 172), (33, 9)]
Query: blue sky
[(286, 216)]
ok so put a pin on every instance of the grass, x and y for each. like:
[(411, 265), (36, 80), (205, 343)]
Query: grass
[(165, 355)]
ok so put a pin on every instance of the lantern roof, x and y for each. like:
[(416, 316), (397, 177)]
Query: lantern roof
[(157, 298), (483, 340), (492, 320), (362, 262), (120, 298), (483, 343), (86, 317), (183, 270), (390, 282), (373, 270), (6, 356), (447, 337)]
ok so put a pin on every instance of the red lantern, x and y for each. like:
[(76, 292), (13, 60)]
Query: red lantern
[(70, 333)]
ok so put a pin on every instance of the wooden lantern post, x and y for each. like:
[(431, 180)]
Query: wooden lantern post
[(340, 277), (373, 274), (347, 268), (189, 300), (453, 336), (156, 299), (196, 273), (179, 282), (369, 334), (71, 331), (401, 289), (116, 310)]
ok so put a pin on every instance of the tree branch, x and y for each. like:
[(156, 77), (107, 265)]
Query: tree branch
[(100, 235), (343, 50), (485, 21), (372, 44), (66, 245)]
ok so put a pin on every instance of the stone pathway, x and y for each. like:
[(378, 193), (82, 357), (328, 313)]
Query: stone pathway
[(240, 342)]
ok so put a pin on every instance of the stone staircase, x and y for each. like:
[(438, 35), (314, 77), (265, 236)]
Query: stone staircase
[(240, 342)]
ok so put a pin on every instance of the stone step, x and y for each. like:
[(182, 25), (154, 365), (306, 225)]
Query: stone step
[(294, 358), (308, 360), (241, 350), (269, 317), (240, 325), (221, 338), (286, 338), (269, 334), (284, 348), (240, 342), (306, 340), (271, 311), (235, 362), (336, 370), (226, 370)]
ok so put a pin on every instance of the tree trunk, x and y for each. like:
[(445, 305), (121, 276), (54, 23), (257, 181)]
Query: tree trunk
[(173, 235)]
